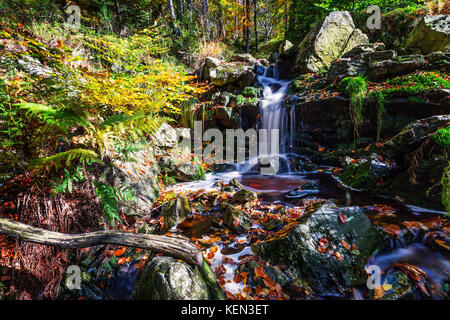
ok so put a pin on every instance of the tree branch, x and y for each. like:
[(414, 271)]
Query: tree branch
[(173, 246)]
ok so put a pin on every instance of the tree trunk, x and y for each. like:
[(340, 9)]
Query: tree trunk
[(172, 15), (247, 26), (174, 246), (255, 22)]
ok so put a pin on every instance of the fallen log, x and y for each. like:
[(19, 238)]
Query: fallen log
[(177, 247)]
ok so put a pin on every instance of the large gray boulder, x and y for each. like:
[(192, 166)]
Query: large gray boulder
[(165, 278), (135, 175), (314, 251), (166, 136), (328, 41), (431, 34)]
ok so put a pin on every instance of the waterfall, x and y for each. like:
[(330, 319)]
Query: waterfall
[(273, 112)]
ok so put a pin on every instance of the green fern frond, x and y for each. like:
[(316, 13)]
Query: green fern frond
[(83, 155), (61, 119)]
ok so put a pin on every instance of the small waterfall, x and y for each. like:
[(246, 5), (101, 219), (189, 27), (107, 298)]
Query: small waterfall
[(273, 112)]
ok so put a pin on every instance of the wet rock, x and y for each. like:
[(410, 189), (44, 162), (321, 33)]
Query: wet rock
[(243, 196), (165, 278), (402, 288), (366, 175), (272, 224), (325, 272), (236, 220), (187, 172), (412, 135), (431, 34), (175, 211), (247, 79), (273, 273), (222, 98), (224, 116), (88, 290), (328, 41)]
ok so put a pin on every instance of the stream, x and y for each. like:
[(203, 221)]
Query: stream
[(411, 245)]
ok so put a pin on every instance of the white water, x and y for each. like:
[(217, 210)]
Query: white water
[(273, 113)]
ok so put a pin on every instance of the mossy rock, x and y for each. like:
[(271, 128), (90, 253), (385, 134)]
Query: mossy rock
[(165, 278), (236, 220), (323, 271), (175, 211)]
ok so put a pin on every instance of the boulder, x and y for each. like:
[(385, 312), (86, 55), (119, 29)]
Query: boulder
[(210, 64), (409, 138), (243, 196), (134, 175), (166, 136), (34, 67), (175, 211), (246, 58), (222, 98), (228, 73), (328, 41), (367, 174), (236, 220), (165, 278), (379, 70), (431, 34), (224, 117), (274, 273), (327, 250), (187, 172), (285, 48)]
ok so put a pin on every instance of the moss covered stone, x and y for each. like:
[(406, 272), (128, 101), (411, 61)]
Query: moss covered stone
[(165, 278)]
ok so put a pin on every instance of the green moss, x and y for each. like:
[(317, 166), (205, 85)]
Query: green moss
[(358, 176), (250, 92), (446, 189), (442, 138), (355, 88)]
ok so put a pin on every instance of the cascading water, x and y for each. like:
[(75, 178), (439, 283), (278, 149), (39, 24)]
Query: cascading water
[(273, 113)]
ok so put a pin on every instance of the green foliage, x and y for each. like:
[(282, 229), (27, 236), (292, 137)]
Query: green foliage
[(379, 98), (70, 177), (83, 156), (58, 119), (442, 138), (446, 189), (10, 132), (201, 175), (355, 88), (109, 197)]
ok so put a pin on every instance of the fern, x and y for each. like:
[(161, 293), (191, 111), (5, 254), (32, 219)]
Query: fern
[(60, 119), (109, 197), (83, 155), (66, 184)]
